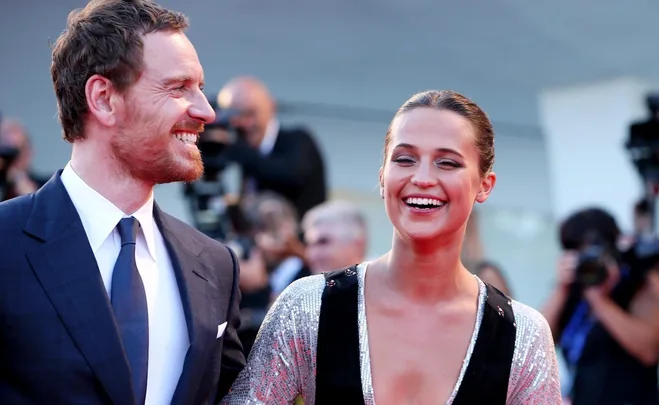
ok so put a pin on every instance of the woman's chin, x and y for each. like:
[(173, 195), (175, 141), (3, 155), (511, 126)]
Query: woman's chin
[(418, 233), (428, 232)]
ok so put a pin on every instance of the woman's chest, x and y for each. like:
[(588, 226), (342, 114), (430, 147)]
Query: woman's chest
[(417, 360)]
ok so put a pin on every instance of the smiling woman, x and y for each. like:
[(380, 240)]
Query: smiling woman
[(413, 326), (433, 165)]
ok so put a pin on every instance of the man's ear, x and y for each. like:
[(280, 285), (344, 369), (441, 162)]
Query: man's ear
[(486, 187), (101, 99)]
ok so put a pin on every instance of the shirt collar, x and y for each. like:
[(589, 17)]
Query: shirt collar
[(99, 216), (270, 137)]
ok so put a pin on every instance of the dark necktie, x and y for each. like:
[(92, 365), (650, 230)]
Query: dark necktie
[(130, 308)]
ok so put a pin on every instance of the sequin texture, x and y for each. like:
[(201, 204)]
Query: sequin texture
[(282, 364)]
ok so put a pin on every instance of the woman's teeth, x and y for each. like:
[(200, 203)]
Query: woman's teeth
[(423, 202)]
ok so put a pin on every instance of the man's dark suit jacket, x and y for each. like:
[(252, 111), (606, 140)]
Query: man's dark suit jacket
[(294, 168), (58, 339)]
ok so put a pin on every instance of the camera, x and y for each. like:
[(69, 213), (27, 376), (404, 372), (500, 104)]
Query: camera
[(241, 239), (643, 148), (643, 143), (7, 156), (206, 196), (212, 147), (591, 266), (593, 233), (594, 257)]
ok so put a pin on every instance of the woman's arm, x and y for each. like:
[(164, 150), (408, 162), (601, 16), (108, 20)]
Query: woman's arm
[(534, 375), (280, 365)]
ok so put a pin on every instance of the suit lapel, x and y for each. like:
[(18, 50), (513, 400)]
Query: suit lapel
[(66, 267), (196, 297)]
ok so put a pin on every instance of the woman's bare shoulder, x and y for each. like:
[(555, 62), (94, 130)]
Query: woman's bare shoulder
[(534, 373)]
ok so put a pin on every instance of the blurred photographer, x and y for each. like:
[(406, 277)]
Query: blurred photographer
[(16, 175), (604, 314), (270, 261), (285, 161)]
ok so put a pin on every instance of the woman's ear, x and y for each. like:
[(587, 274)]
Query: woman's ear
[(381, 180), (486, 187)]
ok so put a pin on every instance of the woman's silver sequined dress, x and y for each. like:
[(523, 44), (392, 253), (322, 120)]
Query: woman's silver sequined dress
[(282, 364)]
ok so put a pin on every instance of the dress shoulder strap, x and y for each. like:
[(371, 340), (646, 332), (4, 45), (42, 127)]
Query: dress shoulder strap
[(488, 373), (338, 372)]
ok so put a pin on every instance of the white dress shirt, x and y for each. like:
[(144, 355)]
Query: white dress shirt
[(283, 274), (270, 137), (265, 147), (168, 336)]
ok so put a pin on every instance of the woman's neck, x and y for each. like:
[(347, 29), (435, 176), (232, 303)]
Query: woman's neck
[(427, 272)]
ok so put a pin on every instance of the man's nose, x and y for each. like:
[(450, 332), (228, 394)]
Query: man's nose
[(200, 109)]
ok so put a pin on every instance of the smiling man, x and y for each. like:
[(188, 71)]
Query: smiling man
[(104, 298)]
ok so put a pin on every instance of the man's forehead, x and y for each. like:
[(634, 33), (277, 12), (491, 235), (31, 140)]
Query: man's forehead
[(324, 230), (170, 55)]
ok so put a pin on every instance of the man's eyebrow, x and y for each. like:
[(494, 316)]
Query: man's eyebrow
[(180, 79)]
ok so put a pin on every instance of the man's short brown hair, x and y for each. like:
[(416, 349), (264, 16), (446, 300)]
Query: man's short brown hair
[(104, 38)]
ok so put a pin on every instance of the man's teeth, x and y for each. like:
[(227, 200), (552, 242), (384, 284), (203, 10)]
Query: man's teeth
[(187, 137), (429, 202)]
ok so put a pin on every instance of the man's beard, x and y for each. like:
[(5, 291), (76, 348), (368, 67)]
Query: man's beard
[(146, 155)]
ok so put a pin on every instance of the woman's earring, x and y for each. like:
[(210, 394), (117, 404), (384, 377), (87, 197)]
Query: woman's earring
[(382, 192)]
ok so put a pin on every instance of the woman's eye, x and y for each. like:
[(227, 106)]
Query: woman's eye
[(449, 163), (404, 160)]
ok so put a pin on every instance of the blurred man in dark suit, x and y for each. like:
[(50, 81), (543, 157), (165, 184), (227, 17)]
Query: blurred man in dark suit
[(16, 174), (286, 161)]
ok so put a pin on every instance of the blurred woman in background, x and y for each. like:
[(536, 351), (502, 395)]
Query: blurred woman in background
[(492, 274)]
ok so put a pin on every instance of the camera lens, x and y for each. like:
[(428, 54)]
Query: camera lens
[(591, 267)]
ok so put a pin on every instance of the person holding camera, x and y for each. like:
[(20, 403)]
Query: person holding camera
[(16, 175), (270, 260), (285, 161), (604, 314)]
